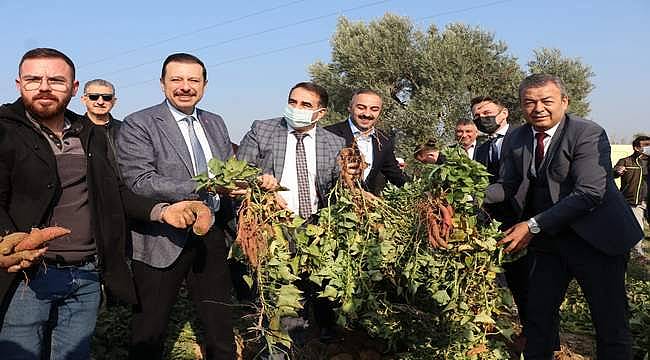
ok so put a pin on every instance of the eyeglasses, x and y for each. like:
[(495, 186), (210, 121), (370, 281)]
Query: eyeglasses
[(34, 83), (105, 97)]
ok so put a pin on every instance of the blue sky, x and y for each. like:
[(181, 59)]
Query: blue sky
[(254, 54)]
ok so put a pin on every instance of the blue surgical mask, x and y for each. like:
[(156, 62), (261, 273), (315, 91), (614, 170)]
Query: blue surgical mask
[(646, 150), (299, 118)]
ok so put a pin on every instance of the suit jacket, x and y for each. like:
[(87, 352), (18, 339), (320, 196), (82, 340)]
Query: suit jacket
[(482, 152), (30, 188), (384, 164), (580, 184), (265, 146), (155, 162)]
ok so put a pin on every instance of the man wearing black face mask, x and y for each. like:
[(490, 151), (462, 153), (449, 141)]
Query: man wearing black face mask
[(491, 118)]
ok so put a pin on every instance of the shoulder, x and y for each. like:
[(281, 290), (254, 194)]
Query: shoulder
[(579, 124), (337, 127), (328, 137), (207, 115), (268, 124), (147, 113)]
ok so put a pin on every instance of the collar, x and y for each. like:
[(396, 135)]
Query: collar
[(550, 132), (503, 130), (67, 124), (356, 132), (178, 115), (310, 133)]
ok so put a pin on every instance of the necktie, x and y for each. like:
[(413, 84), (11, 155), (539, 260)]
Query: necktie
[(539, 149), (304, 200), (494, 149), (199, 156)]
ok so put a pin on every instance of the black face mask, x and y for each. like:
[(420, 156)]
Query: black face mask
[(487, 124)]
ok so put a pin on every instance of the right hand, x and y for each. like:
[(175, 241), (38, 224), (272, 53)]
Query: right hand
[(268, 182), (620, 169), (20, 250)]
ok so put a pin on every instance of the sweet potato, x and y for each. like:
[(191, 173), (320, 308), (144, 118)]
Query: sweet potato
[(8, 242), (37, 237)]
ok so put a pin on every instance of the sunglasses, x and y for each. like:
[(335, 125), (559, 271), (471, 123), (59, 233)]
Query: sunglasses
[(95, 97)]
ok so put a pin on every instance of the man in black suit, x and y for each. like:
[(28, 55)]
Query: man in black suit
[(491, 118), (466, 133), (378, 148), (557, 168)]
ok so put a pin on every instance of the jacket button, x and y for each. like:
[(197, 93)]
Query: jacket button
[(36, 147), (50, 185), (90, 154)]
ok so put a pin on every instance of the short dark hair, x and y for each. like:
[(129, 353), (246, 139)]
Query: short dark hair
[(183, 58), (323, 98), (539, 80), (465, 121), (638, 139), (40, 53), (482, 98)]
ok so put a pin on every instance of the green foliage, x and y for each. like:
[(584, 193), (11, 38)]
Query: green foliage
[(227, 175), (576, 76), (428, 77)]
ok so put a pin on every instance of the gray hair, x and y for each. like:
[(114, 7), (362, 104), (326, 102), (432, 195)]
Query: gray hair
[(539, 80), (99, 82)]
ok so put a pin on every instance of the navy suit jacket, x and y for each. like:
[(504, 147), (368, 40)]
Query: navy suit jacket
[(580, 183)]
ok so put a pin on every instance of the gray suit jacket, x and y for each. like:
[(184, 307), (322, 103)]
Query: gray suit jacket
[(580, 183), (265, 145), (155, 162)]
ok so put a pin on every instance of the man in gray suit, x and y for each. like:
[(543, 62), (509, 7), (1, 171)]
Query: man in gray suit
[(274, 146), (557, 168), (160, 149), (302, 157)]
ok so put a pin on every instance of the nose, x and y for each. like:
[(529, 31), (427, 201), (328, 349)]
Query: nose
[(45, 85), (539, 107), (100, 100)]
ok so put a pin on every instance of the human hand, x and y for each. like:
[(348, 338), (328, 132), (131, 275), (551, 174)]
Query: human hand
[(281, 201), (268, 182), (19, 250), (620, 169), (185, 213), (518, 237)]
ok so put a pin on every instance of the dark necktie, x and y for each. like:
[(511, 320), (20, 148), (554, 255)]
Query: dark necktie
[(539, 149), (199, 156), (494, 149), (304, 200)]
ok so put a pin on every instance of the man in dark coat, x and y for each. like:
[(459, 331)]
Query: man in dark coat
[(377, 147), (55, 170), (557, 168)]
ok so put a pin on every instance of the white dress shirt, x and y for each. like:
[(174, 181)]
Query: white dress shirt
[(547, 142), (470, 150), (289, 177), (200, 135), (364, 141)]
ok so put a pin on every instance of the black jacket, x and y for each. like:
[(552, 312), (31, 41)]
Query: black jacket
[(30, 188), (384, 164)]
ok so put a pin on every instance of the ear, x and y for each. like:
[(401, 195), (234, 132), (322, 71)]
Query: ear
[(18, 84), (75, 87), (320, 114)]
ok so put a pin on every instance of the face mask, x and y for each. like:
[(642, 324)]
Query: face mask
[(646, 150), (487, 124), (299, 118)]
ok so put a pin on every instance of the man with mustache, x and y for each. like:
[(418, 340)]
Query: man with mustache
[(54, 170), (466, 134), (377, 147), (160, 150)]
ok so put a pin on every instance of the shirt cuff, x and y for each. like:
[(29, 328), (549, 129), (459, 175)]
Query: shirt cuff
[(157, 212)]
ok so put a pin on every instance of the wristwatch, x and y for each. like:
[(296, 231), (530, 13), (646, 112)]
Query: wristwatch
[(533, 226)]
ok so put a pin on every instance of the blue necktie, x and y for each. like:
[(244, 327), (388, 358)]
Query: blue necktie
[(199, 156)]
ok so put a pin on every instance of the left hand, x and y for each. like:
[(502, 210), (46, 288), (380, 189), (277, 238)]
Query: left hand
[(518, 236), (184, 213)]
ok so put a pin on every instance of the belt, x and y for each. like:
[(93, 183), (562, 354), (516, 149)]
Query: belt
[(61, 262)]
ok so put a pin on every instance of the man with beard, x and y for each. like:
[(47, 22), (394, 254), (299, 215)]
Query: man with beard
[(54, 170), (377, 148), (160, 150)]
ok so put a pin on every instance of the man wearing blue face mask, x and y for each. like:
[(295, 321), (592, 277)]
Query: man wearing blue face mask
[(296, 151), (633, 171), (302, 156)]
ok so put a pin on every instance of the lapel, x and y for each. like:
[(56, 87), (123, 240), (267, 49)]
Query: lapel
[(280, 134), (376, 148), (173, 134), (527, 153), (322, 149), (212, 133)]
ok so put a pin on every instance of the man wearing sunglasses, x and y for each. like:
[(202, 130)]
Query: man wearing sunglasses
[(99, 98)]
